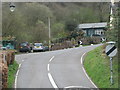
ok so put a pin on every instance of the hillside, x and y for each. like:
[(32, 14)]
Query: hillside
[(30, 20)]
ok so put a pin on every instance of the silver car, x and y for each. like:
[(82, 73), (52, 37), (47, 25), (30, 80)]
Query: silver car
[(38, 47)]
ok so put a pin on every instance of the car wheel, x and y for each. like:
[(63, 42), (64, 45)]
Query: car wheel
[(29, 51)]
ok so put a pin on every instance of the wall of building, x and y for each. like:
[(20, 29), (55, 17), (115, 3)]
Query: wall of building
[(91, 31), (99, 31)]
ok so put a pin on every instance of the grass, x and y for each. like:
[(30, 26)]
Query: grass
[(97, 66), (12, 69)]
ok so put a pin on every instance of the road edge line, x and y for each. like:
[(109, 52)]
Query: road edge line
[(16, 76), (85, 71)]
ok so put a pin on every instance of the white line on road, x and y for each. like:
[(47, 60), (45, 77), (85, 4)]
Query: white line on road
[(52, 81), (50, 76), (51, 59), (48, 67), (76, 87), (86, 72), (16, 77), (17, 73), (19, 66), (82, 58), (16, 81)]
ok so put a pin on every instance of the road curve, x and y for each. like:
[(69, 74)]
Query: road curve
[(54, 69)]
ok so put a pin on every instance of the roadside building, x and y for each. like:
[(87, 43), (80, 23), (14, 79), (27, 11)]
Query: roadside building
[(93, 29)]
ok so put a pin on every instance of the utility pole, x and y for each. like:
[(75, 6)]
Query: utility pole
[(111, 15), (1, 20), (49, 33)]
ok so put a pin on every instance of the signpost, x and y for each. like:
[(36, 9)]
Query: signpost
[(111, 51)]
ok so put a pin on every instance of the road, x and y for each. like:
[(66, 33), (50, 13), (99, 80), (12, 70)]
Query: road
[(54, 69)]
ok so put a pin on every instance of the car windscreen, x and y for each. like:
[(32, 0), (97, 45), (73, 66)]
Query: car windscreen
[(23, 44), (38, 44)]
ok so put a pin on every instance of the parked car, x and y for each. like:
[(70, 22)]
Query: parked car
[(24, 47), (3, 48), (38, 47), (46, 48)]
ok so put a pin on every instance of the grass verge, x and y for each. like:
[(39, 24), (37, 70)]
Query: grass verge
[(97, 66), (12, 69)]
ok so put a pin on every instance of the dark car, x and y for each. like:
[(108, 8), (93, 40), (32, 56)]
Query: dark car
[(24, 47), (46, 48)]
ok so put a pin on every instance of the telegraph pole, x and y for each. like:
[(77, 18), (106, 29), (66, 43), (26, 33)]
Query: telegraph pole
[(49, 33), (111, 15)]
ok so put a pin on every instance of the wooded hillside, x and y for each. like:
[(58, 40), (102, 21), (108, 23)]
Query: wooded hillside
[(29, 21)]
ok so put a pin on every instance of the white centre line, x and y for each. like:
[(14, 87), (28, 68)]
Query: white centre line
[(50, 76), (86, 72), (52, 81), (48, 67), (51, 59)]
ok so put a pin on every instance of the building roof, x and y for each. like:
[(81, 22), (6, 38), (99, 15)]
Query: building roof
[(92, 25)]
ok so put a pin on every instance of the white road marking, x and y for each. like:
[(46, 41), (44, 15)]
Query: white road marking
[(19, 66), (76, 87), (52, 81), (51, 59), (16, 81), (16, 77), (22, 60), (82, 58), (50, 76), (48, 67), (86, 72), (17, 73)]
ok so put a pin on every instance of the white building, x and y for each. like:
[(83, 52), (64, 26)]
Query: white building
[(93, 29)]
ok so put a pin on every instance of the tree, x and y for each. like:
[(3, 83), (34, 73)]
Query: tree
[(58, 31), (112, 34), (30, 18), (70, 25)]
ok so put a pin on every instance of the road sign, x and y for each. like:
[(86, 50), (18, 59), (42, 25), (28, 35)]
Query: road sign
[(80, 42), (111, 50)]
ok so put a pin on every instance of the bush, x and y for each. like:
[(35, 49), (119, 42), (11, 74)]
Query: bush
[(91, 40)]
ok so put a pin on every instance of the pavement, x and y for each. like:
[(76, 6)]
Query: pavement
[(54, 69)]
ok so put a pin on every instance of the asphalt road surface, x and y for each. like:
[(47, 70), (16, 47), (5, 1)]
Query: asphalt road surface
[(54, 69)]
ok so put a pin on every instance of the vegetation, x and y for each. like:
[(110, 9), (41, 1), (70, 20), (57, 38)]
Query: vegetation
[(29, 21), (97, 63), (97, 66), (112, 32), (11, 74)]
